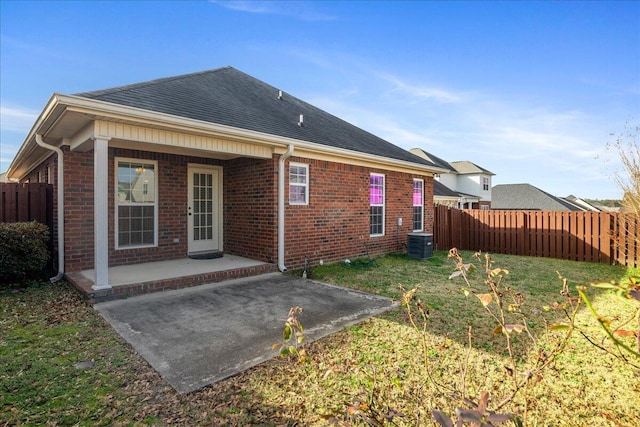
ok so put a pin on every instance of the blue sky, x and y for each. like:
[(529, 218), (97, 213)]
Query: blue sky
[(532, 91)]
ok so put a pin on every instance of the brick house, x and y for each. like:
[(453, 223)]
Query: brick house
[(217, 162)]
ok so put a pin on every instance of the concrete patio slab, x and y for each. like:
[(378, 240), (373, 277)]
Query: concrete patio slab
[(197, 336)]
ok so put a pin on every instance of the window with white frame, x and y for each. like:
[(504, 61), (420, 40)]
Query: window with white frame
[(298, 184), (485, 183), (376, 204), (418, 204), (136, 216)]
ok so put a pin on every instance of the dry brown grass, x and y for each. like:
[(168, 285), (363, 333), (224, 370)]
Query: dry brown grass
[(45, 329)]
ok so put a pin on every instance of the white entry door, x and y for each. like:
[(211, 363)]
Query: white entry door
[(204, 208)]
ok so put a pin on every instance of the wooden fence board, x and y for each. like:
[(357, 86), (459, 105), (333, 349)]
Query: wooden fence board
[(603, 237), (26, 202)]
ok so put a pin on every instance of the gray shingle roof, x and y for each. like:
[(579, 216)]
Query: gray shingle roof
[(229, 97), (439, 189), (467, 167), (433, 158), (527, 197)]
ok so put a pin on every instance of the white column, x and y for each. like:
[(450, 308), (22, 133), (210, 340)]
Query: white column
[(100, 212)]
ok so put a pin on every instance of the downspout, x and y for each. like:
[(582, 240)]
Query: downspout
[(60, 183), (281, 173)]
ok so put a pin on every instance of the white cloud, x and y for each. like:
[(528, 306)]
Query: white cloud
[(519, 139), (304, 11), (419, 90), (16, 119)]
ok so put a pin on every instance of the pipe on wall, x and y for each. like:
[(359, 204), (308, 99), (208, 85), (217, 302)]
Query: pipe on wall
[(281, 176), (60, 194)]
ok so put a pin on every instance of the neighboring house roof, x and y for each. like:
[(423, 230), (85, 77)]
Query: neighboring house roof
[(591, 205), (230, 97), (581, 203), (442, 191), (466, 167), (433, 159), (439, 189), (604, 208), (528, 197)]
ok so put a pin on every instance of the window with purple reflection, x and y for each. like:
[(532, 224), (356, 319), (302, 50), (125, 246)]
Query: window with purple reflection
[(376, 204), (418, 202)]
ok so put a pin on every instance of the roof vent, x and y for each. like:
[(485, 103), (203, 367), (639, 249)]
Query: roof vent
[(279, 94), (301, 121)]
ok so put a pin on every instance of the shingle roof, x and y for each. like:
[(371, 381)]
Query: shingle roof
[(433, 158), (467, 167), (230, 97), (527, 197), (439, 189)]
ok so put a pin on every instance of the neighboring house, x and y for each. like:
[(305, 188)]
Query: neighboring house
[(470, 181), (528, 197), (473, 179), (218, 162), (589, 206), (443, 195)]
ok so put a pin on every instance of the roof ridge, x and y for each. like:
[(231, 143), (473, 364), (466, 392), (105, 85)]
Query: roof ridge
[(233, 98), (148, 83)]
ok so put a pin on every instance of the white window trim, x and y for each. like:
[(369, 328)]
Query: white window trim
[(305, 185), (116, 204), (384, 202), (421, 205)]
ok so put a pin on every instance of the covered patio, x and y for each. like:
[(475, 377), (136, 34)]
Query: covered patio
[(137, 279)]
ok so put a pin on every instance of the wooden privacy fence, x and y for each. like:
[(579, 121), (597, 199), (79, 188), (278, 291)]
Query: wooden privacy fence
[(26, 202), (602, 237)]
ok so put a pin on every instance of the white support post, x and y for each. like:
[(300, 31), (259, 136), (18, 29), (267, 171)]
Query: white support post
[(100, 212)]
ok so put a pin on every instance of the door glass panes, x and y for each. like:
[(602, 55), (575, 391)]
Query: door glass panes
[(202, 206)]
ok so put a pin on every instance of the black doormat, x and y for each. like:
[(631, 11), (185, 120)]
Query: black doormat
[(207, 255)]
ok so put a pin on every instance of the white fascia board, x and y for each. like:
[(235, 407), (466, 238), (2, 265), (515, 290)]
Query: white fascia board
[(29, 144)]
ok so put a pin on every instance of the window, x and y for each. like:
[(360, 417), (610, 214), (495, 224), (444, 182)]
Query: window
[(485, 183), (376, 204), (136, 203), (298, 184), (418, 201)]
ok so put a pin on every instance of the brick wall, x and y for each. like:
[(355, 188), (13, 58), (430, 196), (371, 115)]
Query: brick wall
[(78, 210), (250, 208), (335, 224)]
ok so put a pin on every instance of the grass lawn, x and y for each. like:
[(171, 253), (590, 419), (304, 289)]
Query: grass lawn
[(376, 367)]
